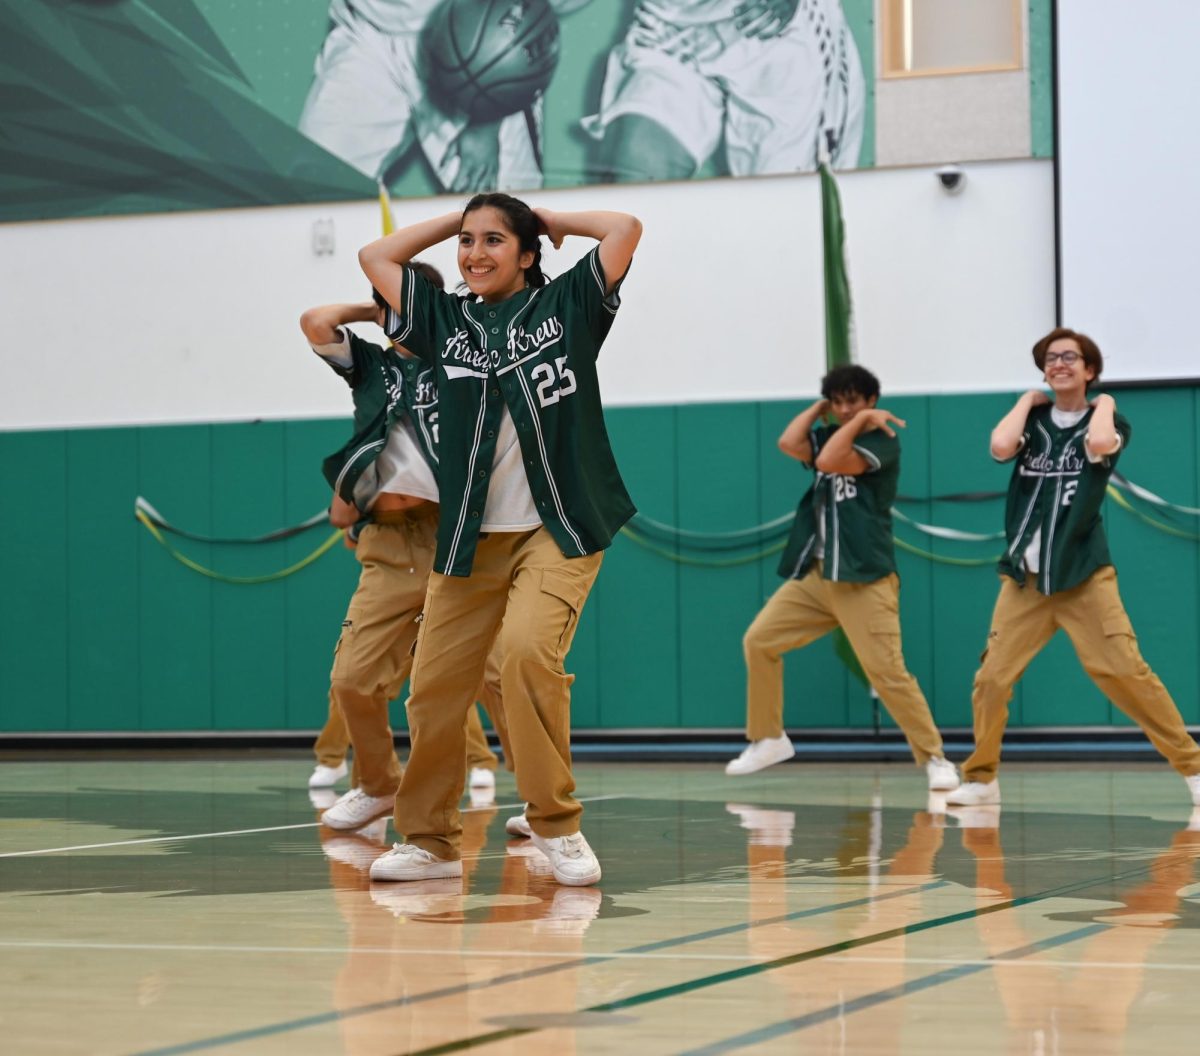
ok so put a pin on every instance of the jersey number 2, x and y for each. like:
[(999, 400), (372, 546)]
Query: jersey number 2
[(543, 374)]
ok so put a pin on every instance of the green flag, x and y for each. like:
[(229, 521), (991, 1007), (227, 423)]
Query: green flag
[(839, 313), (839, 333)]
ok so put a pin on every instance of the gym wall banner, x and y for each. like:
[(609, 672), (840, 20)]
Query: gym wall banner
[(131, 106)]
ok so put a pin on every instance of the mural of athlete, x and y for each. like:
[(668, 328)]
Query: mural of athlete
[(368, 106), (775, 84)]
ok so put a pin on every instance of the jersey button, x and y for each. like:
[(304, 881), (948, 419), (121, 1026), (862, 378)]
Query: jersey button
[(491, 433), (495, 329), (474, 513), (495, 392), (493, 315), (482, 474)]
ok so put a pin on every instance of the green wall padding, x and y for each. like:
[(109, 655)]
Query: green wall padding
[(101, 630)]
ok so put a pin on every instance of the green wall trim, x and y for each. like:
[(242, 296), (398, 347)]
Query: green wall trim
[(101, 630), (1041, 79)]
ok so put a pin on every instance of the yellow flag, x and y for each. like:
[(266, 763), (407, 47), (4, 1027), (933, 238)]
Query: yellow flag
[(385, 208)]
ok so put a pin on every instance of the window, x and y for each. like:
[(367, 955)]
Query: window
[(929, 37)]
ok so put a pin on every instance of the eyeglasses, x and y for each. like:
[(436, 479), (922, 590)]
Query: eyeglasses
[(1067, 359)]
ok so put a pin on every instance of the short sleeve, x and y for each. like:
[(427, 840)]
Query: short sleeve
[(337, 354), (356, 358), (413, 323), (584, 287), (880, 450)]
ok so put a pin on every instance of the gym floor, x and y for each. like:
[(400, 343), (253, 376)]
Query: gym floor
[(167, 905)]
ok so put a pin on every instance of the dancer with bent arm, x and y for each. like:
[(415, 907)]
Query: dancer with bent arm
[(531, 496)]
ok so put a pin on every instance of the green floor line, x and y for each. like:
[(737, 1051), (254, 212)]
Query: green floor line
[(731, 975), (321, 1018)]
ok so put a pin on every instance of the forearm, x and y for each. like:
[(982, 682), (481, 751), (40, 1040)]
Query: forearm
[(1006, 437), (1102, 436), (796, 439), (838, 454), (321, 324), (380, 258), (598, 224)]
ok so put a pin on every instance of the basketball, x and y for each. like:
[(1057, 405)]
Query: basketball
[(488, 58)]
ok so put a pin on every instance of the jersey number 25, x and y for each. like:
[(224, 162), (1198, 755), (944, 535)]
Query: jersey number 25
[(547, 391)]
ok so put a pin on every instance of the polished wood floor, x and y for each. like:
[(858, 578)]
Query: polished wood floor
[(158, 906)]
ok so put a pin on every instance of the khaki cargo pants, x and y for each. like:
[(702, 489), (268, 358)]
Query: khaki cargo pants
[(1094, 618), (522, 585), (801, 611), (373, 656)]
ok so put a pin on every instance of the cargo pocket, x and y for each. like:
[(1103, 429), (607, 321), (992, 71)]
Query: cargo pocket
[(885, 642), (342, 650), (571, 592), (1121, 654)]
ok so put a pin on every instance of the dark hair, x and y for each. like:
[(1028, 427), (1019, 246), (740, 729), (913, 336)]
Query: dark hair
[(426, 271), (1087, 348), (848, 381), (521, 222)]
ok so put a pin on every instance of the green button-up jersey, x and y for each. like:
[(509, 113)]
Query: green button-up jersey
[(385, 387), (856, 512), (1056, 489), (534, 353)]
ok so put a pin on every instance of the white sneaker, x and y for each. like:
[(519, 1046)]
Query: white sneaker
[(322, 798), (356, 809), (357, 849), (1193, 784), (324, 776), (942, 774), (537, 865), (758, 755), (518, 826), (570, 857), (975, 794), (481, 777), (406, 862)]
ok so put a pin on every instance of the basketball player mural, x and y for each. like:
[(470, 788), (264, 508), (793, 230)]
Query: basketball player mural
[(775, 84), (459, 81)]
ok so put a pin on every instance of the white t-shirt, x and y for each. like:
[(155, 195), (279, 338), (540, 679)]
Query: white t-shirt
[(1064, 420), (400, 468), (510, 506)]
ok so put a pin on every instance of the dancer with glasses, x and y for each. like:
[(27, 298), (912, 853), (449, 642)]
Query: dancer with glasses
[(1056, 571)]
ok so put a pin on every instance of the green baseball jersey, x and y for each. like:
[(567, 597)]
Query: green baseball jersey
[(534, 353), (856, 512), (385, 386), (1055, 489)]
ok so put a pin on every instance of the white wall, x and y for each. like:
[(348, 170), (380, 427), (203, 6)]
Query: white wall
[(1128, 96), (193, 317)]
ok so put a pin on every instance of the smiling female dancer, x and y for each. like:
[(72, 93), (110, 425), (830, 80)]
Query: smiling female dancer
[(530, 495)]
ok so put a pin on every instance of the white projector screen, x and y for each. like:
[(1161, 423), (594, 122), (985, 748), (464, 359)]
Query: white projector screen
[(1129, 200)]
